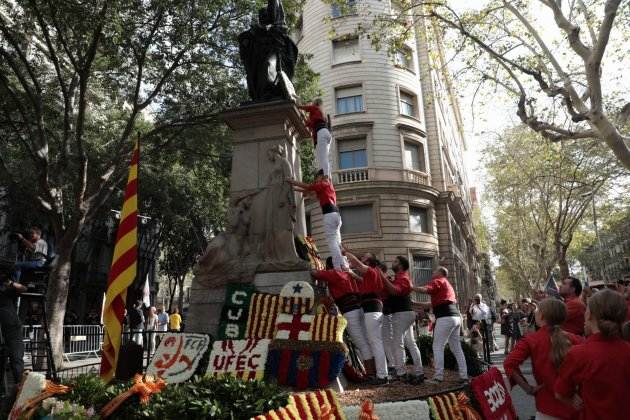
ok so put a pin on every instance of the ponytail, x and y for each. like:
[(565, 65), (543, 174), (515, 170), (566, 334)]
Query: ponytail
[(609, 310), (560, 344), (608, 328)]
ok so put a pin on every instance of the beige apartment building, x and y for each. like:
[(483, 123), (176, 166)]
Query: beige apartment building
[(397, 154)]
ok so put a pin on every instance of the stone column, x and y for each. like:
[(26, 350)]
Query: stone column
[(257, 129)]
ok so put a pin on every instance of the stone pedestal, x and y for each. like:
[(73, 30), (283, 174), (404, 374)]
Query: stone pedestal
[(241, 254)]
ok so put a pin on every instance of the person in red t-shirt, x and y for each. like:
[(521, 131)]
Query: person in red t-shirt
[(448, 323), (325, 191), (321, 135), (570, 290), (598, 371), (547, 348), (403, 317), (371, 289), (344, 291)]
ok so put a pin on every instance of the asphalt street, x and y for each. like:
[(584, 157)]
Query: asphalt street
[(523, 403)]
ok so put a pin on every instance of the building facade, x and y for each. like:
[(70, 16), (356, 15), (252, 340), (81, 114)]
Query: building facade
[(397, 154)]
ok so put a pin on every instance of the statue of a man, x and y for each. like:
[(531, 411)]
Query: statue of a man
[(269, 55)]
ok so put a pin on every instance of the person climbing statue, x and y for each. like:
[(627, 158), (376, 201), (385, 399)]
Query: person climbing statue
[(321, 134)]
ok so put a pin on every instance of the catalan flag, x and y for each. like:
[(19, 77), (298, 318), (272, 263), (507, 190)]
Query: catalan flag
[(122, 272)]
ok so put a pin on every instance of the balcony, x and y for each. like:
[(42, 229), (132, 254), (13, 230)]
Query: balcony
[(354, 175)]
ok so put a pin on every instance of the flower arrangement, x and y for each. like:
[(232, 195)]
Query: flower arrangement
[(53, 408)]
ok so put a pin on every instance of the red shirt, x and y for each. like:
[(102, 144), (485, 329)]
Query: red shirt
[(371, 283), (575, 316), (340, 283), (441, 291), (599, 370), (402, 283), (538, 347), (314, 116), (325, 192)]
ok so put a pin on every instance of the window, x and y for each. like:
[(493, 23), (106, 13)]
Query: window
[(418, 219), (349, 100), (422, 270), (457, 235), (407, 104), (346, 8), (357, 219), (346, 50), (352, 153), (404, 59), (414, 156)]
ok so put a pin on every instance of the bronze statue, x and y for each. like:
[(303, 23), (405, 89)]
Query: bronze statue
[(269, 55)]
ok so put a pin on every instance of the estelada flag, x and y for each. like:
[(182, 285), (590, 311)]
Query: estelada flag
[(122, 273)]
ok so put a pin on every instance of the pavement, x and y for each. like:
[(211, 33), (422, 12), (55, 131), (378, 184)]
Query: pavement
[(523, 403)]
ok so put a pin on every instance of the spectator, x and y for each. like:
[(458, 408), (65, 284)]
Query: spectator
[(175, 320), (151, 328), (480, 313), (136, 322), (598, 371), (36, 252), (447, 326), (570, 291), (547, 348), (162, 320), (506, 325), (515, 317), (10, 324)]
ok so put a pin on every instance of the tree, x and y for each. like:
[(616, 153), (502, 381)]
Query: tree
[(561, 62), (541, 192), (79, 80)]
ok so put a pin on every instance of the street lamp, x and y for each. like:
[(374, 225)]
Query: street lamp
[(599, 242)]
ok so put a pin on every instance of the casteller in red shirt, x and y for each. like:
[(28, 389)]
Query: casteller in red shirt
[(441, 291), (340, 283), (538, 347), (402, 283), (599, 370), (371, 283), (315, 118), (325, 192), (575, 316)]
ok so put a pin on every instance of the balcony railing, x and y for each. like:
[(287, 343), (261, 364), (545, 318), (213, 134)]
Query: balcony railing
[(350, 176)]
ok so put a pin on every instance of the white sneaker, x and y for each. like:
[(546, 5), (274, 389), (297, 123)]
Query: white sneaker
[(434, 381)]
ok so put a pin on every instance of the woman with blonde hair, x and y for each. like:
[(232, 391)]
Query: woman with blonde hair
[(596, 375), (547, 348)]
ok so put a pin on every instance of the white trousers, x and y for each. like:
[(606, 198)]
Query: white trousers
[(322, 150), (387, 331), (403, 337), (373, 325), (358, 334), (447, 330), (332, 231)]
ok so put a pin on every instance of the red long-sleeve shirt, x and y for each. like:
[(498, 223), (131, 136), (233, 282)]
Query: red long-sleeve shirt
[(402, 283), (315, 117), (340, 283), (325, 192), (371, 283), (441, 291), (538, 347), (575, 316), (599, 370)]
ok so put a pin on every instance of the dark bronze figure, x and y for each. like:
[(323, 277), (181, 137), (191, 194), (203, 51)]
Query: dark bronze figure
[(269, 55)]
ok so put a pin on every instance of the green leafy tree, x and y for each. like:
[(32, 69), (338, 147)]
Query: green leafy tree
[(79, 80), (562, 63), (541, 192)]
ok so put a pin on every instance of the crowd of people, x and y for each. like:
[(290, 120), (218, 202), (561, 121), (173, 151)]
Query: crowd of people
[(579, 347), (144, 323)]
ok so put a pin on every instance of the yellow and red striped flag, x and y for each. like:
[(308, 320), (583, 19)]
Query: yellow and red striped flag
[(122, 272)]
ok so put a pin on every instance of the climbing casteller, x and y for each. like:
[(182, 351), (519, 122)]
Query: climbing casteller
[(323, 188), (321, 134)]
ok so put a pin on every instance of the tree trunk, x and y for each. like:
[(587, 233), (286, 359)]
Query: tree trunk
[(57, 298), (180, 300), (562, 261)]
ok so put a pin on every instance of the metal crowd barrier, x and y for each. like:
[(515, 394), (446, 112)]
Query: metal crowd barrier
[(78, 340)]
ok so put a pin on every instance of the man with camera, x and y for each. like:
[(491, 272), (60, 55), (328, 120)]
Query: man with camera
[(36, 251), (10, 325)]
